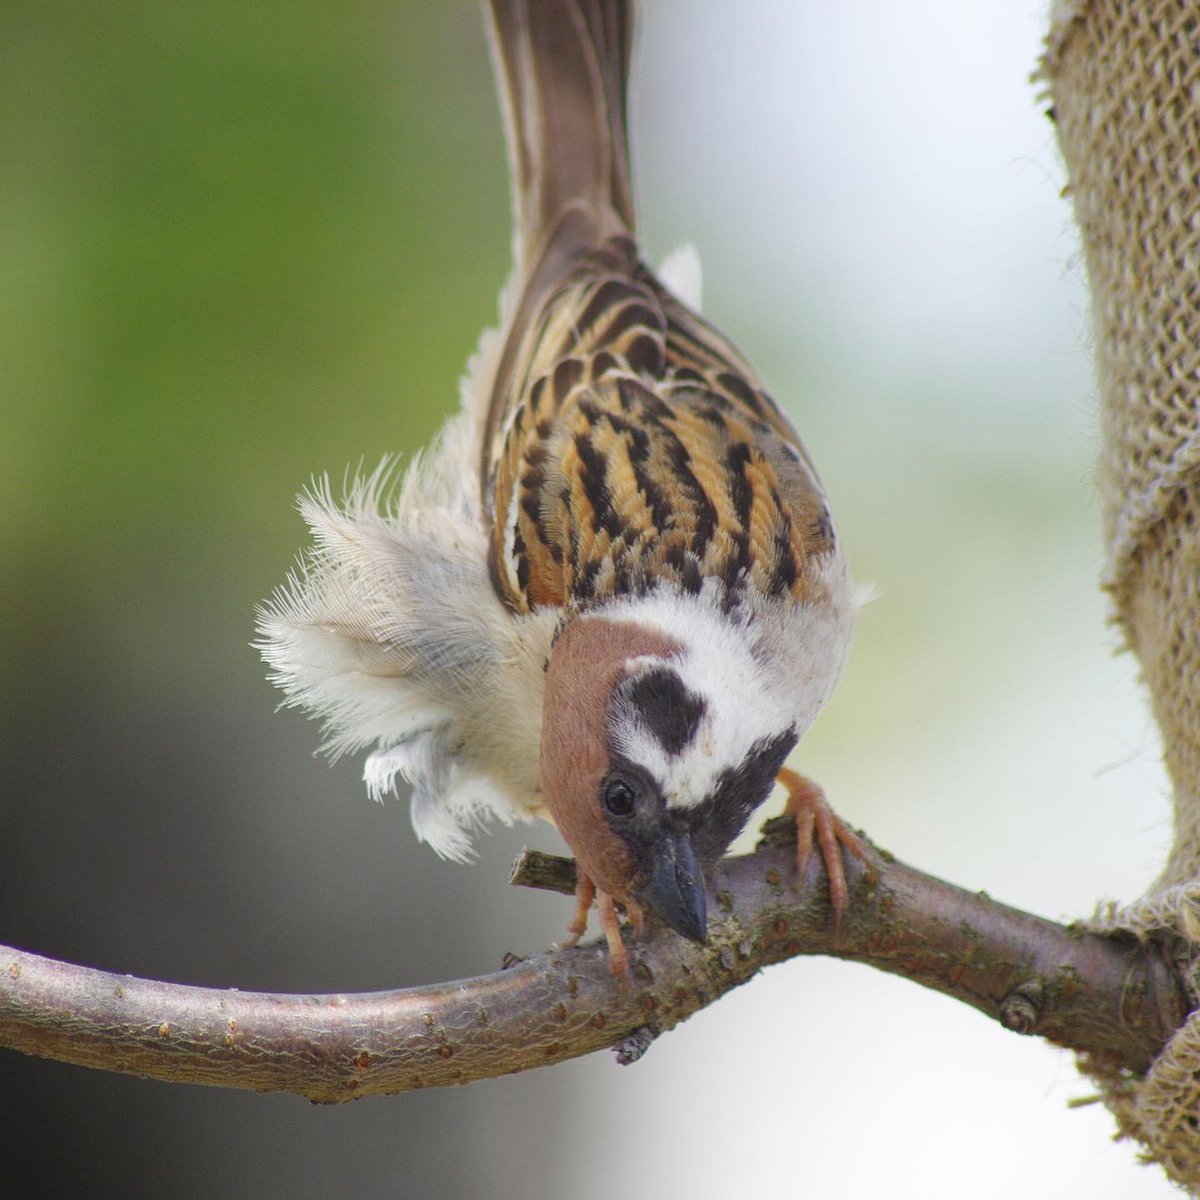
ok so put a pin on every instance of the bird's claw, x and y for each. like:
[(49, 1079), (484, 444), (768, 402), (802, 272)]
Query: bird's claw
[(817, 823), (586, 893)]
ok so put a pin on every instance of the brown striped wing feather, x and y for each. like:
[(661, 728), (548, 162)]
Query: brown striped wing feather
[(631, 445)]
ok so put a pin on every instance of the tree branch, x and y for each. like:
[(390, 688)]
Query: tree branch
[(1115, 998)]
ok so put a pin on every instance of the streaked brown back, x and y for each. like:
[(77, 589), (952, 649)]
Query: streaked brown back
[(633, 444)]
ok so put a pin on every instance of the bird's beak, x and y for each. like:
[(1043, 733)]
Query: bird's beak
[(674, 892)]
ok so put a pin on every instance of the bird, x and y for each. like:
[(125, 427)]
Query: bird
[(611, 593)]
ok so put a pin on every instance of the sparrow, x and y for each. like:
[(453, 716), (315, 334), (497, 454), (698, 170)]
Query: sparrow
[(611, 593)]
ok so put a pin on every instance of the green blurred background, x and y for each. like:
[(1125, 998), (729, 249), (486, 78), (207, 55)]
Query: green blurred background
[(241, 244)]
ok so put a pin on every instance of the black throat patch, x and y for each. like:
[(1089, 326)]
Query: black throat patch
[(739, 790)]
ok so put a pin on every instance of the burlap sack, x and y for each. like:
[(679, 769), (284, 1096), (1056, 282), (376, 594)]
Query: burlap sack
[(1124, 82)]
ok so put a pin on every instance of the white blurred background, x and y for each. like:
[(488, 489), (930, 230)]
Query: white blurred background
[(875, 193)]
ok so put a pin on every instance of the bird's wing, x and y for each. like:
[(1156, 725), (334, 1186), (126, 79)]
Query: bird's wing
[(634, 445)]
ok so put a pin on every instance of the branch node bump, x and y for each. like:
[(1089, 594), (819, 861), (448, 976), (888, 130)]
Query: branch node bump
[(1021, 1008), (629, 1049)]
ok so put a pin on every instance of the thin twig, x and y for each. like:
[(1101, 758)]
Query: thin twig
[(1112, 997)]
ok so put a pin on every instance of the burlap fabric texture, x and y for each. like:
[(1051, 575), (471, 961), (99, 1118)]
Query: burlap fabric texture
[(1124, 81)]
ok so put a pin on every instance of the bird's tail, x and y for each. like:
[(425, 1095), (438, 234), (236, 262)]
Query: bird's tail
[(562, 67)]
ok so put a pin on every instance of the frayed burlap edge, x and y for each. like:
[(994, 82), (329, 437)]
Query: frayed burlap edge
[(1063, 15), (1176, 909)]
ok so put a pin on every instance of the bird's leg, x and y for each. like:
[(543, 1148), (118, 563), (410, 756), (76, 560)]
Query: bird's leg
[(815, 820), (618, 956), (585, 893), (636, 915)]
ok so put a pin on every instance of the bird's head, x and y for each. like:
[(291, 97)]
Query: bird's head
[(650, 765)]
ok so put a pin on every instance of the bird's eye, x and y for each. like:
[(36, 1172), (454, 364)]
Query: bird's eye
[(618, 798)]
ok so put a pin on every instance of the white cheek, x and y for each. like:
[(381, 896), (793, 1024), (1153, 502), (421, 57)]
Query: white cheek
[(691, 775)]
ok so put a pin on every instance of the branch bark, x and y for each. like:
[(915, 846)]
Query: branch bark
[(1116, 998)]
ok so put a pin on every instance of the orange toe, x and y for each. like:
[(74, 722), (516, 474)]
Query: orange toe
[(585, 893), (618, 956), (817, 822)]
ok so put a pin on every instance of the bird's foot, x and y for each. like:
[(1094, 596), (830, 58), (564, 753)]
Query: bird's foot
[(585, 893), (817, 823), (618, 957)]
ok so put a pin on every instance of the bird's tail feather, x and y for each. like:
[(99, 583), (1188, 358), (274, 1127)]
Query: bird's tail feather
[(562, 67)]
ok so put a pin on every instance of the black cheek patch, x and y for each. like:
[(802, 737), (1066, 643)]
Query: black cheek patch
[(667, 708), (738, 792)]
